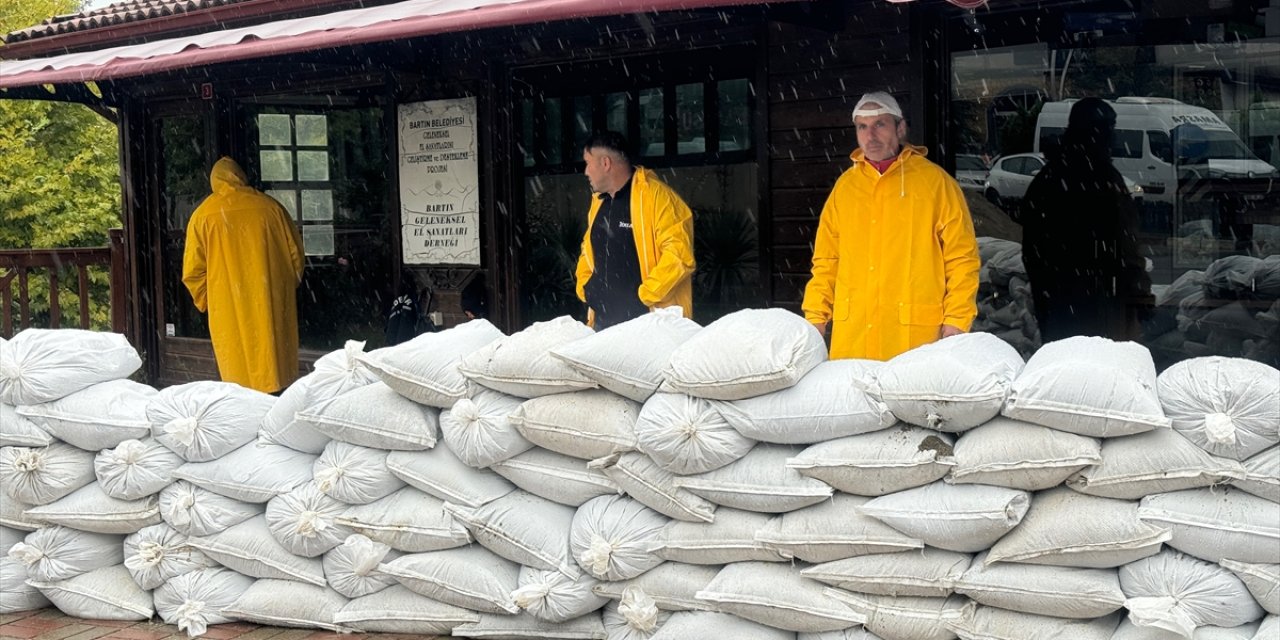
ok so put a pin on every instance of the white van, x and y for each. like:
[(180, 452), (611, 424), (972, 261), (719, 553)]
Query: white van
[(1146, 131)]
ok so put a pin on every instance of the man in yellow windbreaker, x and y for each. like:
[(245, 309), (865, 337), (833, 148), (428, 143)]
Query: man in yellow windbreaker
[(895, 261), (242, 265), (637, 253)]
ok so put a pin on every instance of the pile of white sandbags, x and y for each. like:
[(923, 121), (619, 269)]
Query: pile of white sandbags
[(1005, 306), (661, 480)]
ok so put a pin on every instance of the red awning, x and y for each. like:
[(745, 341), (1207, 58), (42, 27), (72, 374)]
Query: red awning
[(408, 19)]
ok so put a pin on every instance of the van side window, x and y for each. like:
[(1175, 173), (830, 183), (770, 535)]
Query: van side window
[(1050, 138), (1127, 144), (1160, 145)]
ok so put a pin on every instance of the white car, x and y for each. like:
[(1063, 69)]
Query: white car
[(971, 172), (1011, 175)]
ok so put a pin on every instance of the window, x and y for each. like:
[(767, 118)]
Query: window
[(183, 178), (1127, 143), (1160, 147), (293, 159)]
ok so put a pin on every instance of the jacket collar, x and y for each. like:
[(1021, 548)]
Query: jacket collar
[(908, 150)]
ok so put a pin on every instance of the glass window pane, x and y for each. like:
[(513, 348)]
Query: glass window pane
[(555, 131), (735, 116), (690, 119), (526, 132), (652, 123), (581, 120), (317, 204), (317, 239), (274, 129), (615, 106), (313, 165), (277, 166), (288, 198), (313, 130)]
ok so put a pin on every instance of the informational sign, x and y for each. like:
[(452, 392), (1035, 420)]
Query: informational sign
[(439, 182)]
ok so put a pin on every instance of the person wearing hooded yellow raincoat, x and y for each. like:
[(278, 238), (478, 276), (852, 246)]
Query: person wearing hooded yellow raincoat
[(242, 265), (895, 260)]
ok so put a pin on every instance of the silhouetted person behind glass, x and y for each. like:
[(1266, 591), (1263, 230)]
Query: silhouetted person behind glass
[(1079, 234)]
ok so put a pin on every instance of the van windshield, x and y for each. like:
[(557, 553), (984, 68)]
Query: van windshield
[(1225, 145)]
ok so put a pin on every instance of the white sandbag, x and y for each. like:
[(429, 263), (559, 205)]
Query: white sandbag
[(15, 594), (478, 431), (89, 508), (759, 481), (965, 518), (203, 421), (1263, 581), (1217, 524), (10, 537), (613, 537), (353, 474), (522, 528), (194, 601), (671, 586), (638, 476), (375, 416), (40, 365), (628, 358), (556, 477), (687, 435), (854, 633), (13, 514), (194, 511), (425, 369), (351, 568), (333, 374), (525, 627), (731, 538), (684, 625), (440, 473), (1262, 475), (249, 548), (1070, 529), (304, 521), (635, 619), (18, 431), (552, 596), (829, 402), (469, 577), (1063, 592), (284, 603), (1159, 461), (778, 596), (583, 424), (879, 463), (926, 572), (831, 530), (136, 468), (52, 554), (1227, 406), (407, 520), (41, 475), (1130, 631), (97, 417), (399, 610), (1268, 629), (949, 385), (991, 623), (908, 617), (1090, 386), (253, 473), (1178, 593), (159, 553), (102, 594), (1020, 455), (521, 364), (772, 349)]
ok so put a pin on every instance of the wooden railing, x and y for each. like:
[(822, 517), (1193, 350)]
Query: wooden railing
[(18, 266)]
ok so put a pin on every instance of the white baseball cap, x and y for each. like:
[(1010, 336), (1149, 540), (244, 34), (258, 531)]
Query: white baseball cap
[(887, 105)]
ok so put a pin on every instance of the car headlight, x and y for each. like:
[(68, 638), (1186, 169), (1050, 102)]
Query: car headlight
[(1136, 188)]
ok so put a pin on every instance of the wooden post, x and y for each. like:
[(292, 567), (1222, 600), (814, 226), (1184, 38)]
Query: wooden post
[(84, 295), (55, 308), (24, 299), (119, 283)]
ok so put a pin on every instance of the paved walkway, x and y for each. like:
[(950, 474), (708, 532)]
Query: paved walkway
[(51, 624)]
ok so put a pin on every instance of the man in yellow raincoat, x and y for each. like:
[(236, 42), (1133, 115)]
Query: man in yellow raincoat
[(895, 261), (637, 253), (242, 265)]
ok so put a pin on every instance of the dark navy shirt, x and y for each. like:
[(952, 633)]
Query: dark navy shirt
[(613, 290)]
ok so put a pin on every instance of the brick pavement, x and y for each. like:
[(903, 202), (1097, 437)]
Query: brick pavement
[(51, 624)]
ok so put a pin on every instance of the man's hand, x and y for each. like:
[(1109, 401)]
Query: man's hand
[(946, 331), (821, 327)]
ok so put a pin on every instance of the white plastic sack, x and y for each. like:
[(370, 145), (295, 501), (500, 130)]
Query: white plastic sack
[(249, 548), (769, 350), (1268, 629), (1070, 529), (97, 417), (1217, 524), (407, 520), (991, 623), (10, 537), (526, 627), (687, 435), (965, 518), (89, 508), (15, 594), (613, 537), (399, 610), (40, 365), (334, 374), (13, 515), (879, 463), (353, 474), (1263, 581), (1063, 592), (136, 468), (1090, 386), (425, 369), (469, 577), (638, 476), (759, 481), (831, 530), (304, 521), (1020, 455), (57, 553), (478, 431), (194, 511), (671, 586), (206, 420), (440, 473), (628, 358), (159, 553), (252, 473), (42, 475), (637, 620), (731, 538), (829, 402), (583, 424), (778, 596), (949, 385), (284, 603), (684, 625), (102, 594), (523, 528), (1159, 461), (556, 477), (521, 364), (1226, 406), (194, 601), (1262, 475), (925, 572), (18, 431), (906, 617), (1130, 631), (1178, 593), (375, 416), (554, 597), (351, 568)]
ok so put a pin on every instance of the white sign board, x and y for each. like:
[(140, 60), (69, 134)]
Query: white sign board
[(439, 182)]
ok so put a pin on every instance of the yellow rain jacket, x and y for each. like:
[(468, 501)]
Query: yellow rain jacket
[(662, 225), (895, 258), (242, 265)]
